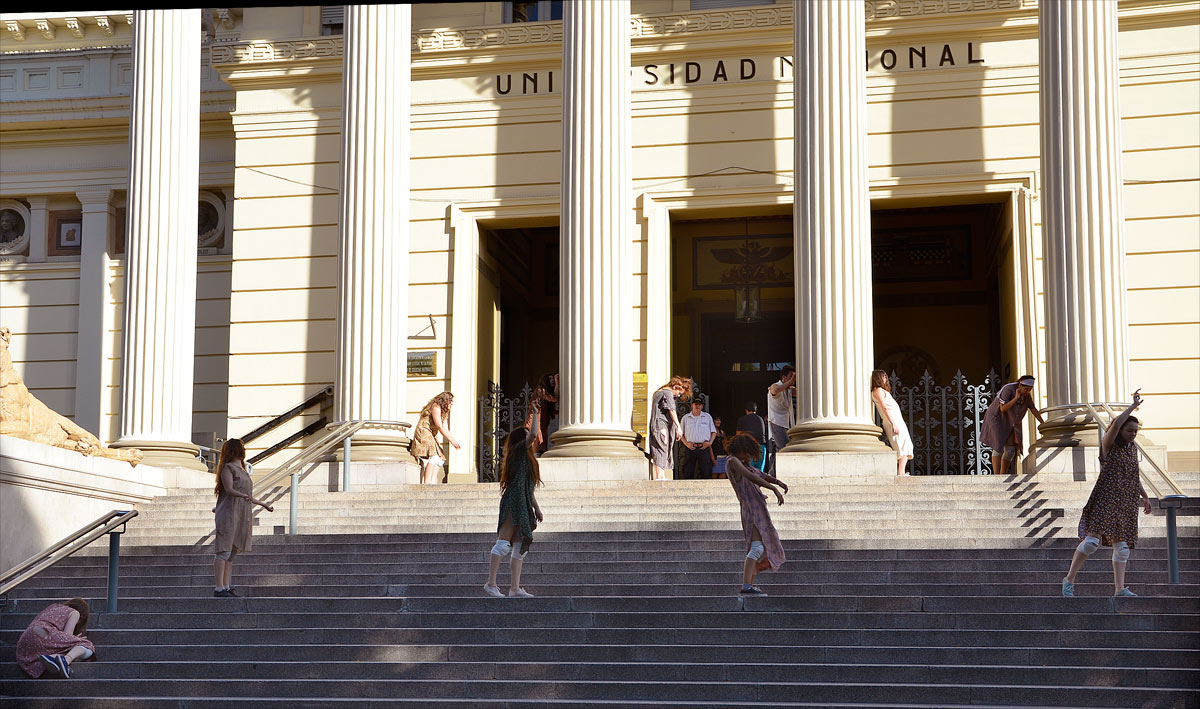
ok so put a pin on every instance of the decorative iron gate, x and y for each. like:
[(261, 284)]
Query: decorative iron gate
[(498, 416), (945, 422)]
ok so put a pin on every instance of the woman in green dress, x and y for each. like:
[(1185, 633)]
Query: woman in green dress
[(519, 511)]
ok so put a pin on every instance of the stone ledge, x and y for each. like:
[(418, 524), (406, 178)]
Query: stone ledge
[(872, 466)]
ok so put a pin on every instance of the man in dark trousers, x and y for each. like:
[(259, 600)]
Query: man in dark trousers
[(753, 424), (699, 431)]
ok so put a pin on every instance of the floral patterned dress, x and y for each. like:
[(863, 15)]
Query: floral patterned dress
[(1111, 512), (57, 642), (754, 515)]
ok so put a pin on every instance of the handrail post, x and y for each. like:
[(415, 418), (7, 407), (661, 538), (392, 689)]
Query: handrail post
[(292, 503), (1171, 503), (114, 556), (346, 464)]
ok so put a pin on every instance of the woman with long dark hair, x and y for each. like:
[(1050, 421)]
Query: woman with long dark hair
[(235, 495), (519, 510), (434, 420)]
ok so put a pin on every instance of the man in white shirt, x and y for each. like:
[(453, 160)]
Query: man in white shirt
[(699, 432), (781, 409)]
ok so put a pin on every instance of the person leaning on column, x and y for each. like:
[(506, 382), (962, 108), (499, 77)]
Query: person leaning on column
[(781, 410), (1110, 517), (1002, 422)]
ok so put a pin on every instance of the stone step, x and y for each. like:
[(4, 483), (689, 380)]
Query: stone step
[(661, 692)]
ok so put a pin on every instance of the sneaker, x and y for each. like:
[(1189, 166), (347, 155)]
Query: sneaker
[(752, 591), (56, 666), (1125, 592), (519, 593), (493, 591), (229, 592), (1068, 589), (223, 593)]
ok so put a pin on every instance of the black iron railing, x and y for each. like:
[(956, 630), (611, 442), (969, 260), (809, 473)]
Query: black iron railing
[(945, 423)]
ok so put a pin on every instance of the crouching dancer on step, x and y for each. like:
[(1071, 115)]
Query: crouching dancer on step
[(763, 547), (519, 511), (1110, 517)]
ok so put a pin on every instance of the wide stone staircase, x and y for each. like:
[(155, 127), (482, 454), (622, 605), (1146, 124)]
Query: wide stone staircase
[(919, 592)]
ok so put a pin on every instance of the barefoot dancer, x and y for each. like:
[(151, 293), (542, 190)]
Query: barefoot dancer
[(519, 511), (763, 547), (893, 421), (1110, 517)]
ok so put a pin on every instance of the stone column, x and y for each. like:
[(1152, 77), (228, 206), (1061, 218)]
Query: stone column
[(91, 350), (39, 228), (1082, 216), (372, 374), (160, 252), (596, 378), (832, 216)]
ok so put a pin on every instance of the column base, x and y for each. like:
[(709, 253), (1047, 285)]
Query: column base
[(167, 454), (593, 443), (836, 437), (375, 447), (363, 475), (878, 465)]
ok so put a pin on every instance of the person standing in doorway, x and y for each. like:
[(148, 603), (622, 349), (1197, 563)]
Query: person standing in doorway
[(699, 432), (1110, 517), (1002, 423), (893, 422), (544, 403), (752, 425), (718, 450), (434, 421), (234, 514), (781, 410), (664, 424)]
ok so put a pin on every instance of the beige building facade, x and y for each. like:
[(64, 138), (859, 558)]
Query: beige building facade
[(397, 201)]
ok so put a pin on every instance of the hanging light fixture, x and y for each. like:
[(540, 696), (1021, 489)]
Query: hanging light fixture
[(747, 303)]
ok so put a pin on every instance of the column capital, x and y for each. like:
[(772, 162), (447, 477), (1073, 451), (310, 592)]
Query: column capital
[(95, 198)]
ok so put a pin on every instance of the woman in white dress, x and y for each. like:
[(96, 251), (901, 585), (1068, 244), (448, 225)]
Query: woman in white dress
[(893, 422)]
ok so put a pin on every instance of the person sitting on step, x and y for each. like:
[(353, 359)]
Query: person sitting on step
[(763, 548), (519, 510), (1110, 517), (55, 639)]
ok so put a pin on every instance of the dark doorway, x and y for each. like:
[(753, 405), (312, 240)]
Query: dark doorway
[(741, 360), (937, 278), (524, 306)]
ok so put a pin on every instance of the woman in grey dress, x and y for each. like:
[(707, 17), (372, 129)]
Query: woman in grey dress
[(235, 495), (1002, 423), (664, 424)]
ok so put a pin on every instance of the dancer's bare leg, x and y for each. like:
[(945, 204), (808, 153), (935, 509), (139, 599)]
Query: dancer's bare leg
[(900, 465), (507, 531), (1076, 565), (750, 567), (1118, 575)]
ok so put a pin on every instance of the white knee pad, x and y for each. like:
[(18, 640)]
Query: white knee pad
[(517, 553), (1088, 546), (1121, 552), (502, 548), (756, 551)]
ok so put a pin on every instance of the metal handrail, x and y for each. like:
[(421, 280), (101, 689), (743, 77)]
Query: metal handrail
[(286, 416), (339, 432), (1146, 479), (72, 543)]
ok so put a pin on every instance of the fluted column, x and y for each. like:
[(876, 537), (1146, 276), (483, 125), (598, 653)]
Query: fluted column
[(371, 380), (834, 342), (596, 379), (160, 253), (1082, 217)]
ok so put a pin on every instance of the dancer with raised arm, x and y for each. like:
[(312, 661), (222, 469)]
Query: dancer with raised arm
[(519, 510), (763, 547), (1110, 517), (1003, 419)]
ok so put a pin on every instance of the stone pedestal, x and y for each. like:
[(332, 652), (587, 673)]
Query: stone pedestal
[(881, 464), (160, 260), (371, 381), (593, 468), (835, 349), (1078, 462), (596, 377)]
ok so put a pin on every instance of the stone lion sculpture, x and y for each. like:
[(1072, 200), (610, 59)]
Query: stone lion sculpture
[(23, 416)]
